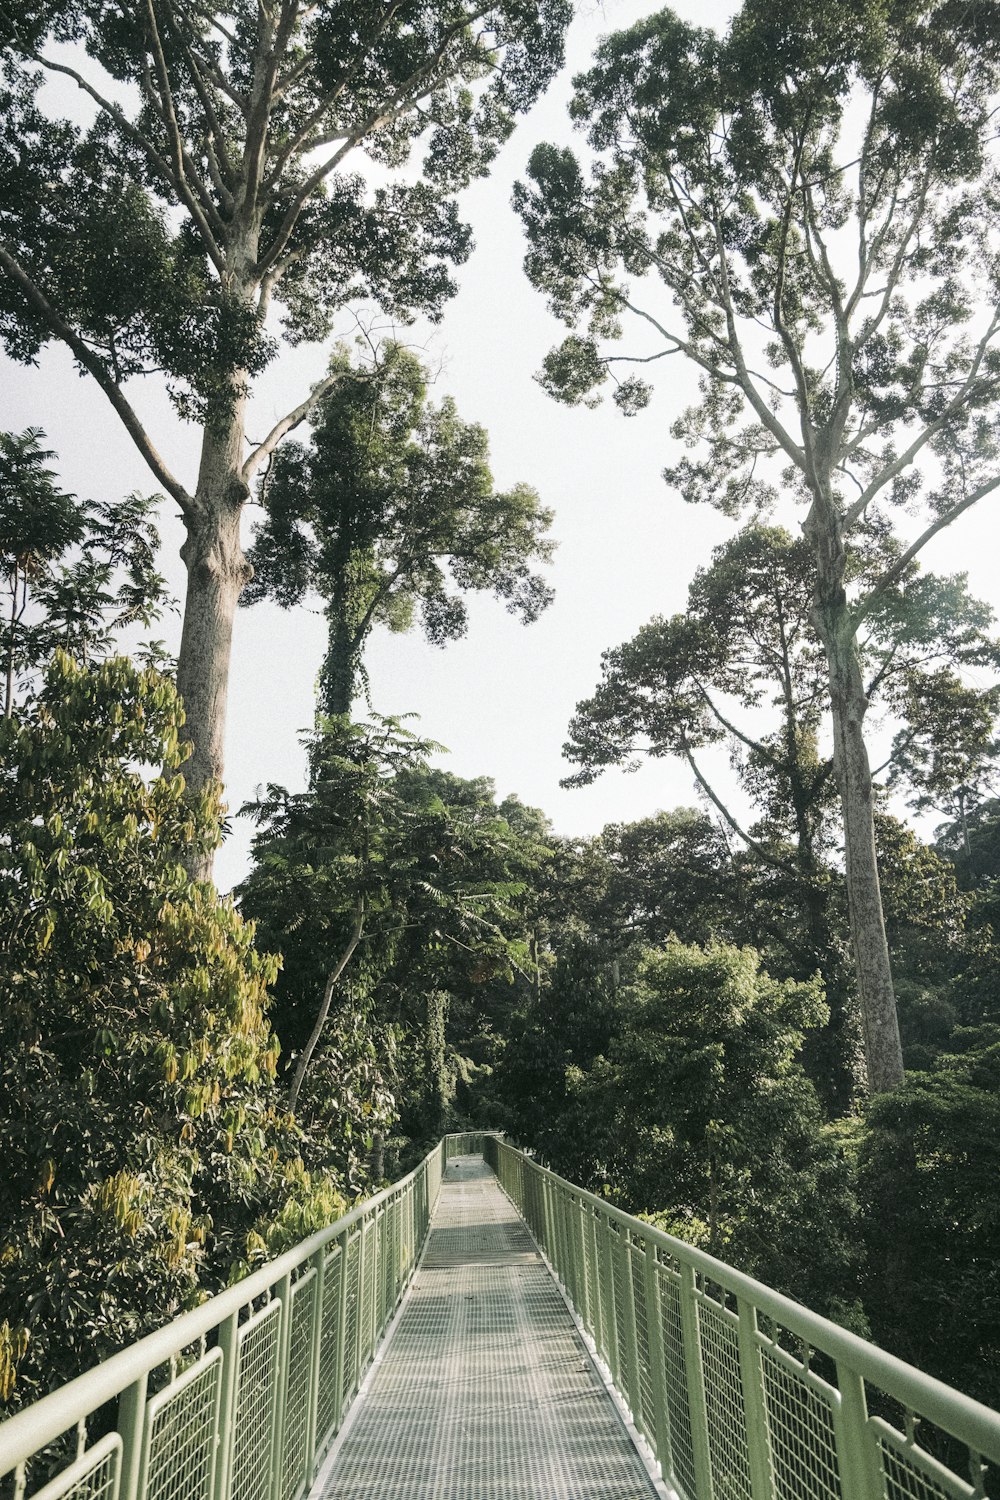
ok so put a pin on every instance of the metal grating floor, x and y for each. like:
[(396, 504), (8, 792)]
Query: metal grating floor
[(485, 1390)]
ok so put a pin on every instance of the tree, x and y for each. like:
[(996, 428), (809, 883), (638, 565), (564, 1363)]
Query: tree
[(933, 1256), (214, 185), (78, 572), (812, 193), (368, 878), (392, 508), (743, 665), (145, 1148), (37, 523), (947, 751), (700, 1115)]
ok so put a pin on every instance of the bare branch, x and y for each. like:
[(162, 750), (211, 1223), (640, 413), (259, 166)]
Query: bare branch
[(331, 980), (90, 361), (197, 199), (893, 574), (287, 423), (769, 859)]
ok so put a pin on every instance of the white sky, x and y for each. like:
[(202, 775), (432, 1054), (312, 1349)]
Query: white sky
[(501, 699)]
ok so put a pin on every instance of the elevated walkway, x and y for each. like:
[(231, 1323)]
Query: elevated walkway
[(484, 1389), (421, 1349)]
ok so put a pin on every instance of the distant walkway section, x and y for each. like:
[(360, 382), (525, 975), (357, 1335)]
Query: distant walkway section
[(485, 1390)]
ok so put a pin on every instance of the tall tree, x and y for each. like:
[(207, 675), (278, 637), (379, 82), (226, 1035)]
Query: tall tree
[(744, 666), (228, 170), (368, 869), (393, 508), (814, 197), (140, 1139)]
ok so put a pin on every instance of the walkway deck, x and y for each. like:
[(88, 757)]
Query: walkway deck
[(485, 1390)]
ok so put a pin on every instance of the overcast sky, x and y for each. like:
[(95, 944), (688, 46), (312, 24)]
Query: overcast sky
[(501, 699)]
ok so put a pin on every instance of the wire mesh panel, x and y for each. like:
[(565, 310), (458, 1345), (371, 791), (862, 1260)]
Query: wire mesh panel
[(296, 1458), (389, 1262), (182, 1424), (645, 1417), (366, 1310), (96, 1475), (351, 1319), (614, 1234), (589, 1278), (256, 1389), (909, 1472), (801, 1428), (724, 1405), (675, 1372), (330, 1335)]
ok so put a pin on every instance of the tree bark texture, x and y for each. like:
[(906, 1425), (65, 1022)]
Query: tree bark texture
[(848, 702), (216, 574)]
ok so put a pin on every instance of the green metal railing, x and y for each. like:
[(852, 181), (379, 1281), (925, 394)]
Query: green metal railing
[(240, 1398), (741, 1393)]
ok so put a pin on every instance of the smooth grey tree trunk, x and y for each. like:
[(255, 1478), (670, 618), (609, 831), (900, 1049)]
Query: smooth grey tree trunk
[(849, 704), (216, 574)]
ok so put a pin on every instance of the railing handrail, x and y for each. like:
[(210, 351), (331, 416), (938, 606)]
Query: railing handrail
[(980, 1424), (44, 1420)]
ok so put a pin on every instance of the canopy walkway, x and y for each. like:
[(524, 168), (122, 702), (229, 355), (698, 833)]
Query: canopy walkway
[(484, 1330)]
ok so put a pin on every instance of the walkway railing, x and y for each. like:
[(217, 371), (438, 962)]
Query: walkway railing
[(240, 1398), (741, 1393)]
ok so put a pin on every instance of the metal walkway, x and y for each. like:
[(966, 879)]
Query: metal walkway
[(484, 1390)]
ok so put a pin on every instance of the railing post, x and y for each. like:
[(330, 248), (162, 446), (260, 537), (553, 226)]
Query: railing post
[(229, 1344), (695, 1372), (281, 1375), (657, 1364), (857, 1454), (754, 1403), (315, 1353), (131, 1422), (359, 1331)]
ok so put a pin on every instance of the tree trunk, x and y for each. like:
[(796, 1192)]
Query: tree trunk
[(217, 572), (849, 704), (11, 639), (339, 673)]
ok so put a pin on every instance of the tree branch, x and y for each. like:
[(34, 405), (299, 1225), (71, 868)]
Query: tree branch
[(324, 1010), (758, 849), (287, 423), (199, 204), (893, 574), (404, 98), (90, 361)]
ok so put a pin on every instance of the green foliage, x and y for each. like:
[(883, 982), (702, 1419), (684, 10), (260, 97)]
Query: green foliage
[(77, 572), (929, 1166), (143, 1138), (159, 233), (374, 868), (699, 1114), (393, 508)]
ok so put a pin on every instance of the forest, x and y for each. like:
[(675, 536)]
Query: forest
[(768, 1020)]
